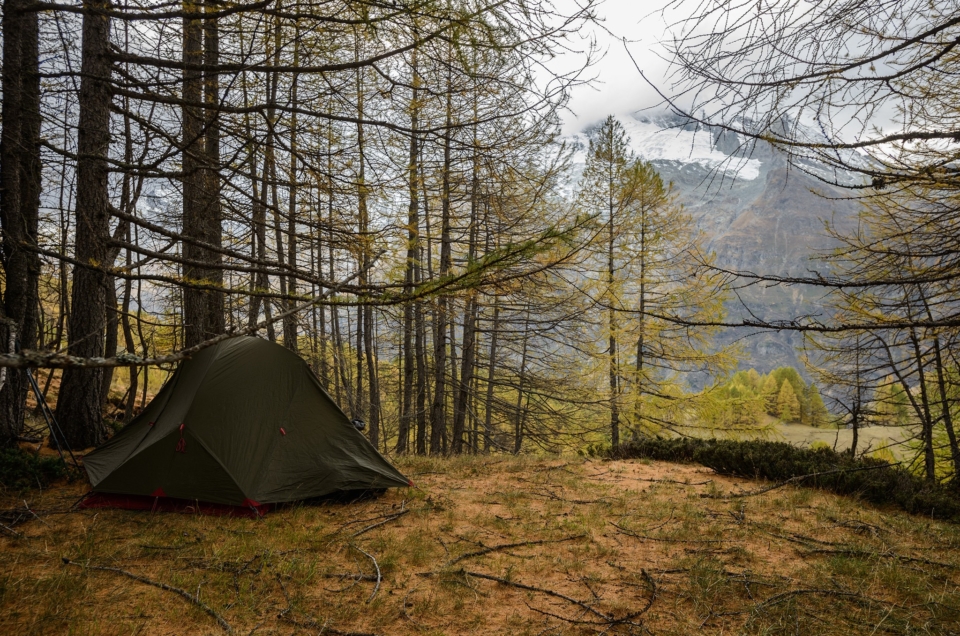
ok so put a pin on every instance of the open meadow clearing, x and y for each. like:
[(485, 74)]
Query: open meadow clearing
[(489, 545)]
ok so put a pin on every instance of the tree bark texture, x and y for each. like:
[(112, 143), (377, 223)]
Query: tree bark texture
[(19, 203), (203, 315), (79, 407)]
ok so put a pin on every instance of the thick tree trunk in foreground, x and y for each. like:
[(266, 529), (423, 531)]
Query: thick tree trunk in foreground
[(79, 407), (19, 204)]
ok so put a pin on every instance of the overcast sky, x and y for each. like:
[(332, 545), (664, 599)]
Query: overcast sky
[(618, 89)]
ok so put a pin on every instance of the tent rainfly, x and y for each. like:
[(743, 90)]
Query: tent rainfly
[(245, 424)]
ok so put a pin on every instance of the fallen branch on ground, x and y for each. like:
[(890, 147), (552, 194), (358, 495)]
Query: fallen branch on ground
[(375, 565), (605, 619), (643, 536), (323, 628), (507, 546), (163, 586), (377, 525)]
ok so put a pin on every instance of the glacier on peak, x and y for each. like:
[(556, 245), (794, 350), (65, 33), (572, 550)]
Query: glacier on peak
[(654, 142)]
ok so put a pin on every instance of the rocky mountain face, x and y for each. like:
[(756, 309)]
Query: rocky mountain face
[(759, 215)]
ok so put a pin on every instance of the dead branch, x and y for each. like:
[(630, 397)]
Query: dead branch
[(163, 586), (507, 546), (607, 620), (783, 596), (665, 540), (378, 524), (552, 495), (11, 531), (887, 555), (342, 576), (324, 629), (376, 565), (675, 481)]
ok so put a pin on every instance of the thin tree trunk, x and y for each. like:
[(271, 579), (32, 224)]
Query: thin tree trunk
[(420, 353), (929, 458), (413, 223), (641, 319), (438, 411), (612, 323), (491, 369), (946, 412), (518, 421), (469, 347), (290, 322)]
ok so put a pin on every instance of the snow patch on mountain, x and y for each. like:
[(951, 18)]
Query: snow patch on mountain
[(653, 142)]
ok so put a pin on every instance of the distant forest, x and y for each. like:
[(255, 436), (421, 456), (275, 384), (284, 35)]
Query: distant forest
[(382, 188)]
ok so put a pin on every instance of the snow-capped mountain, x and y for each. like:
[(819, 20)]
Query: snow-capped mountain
[(759, 214)]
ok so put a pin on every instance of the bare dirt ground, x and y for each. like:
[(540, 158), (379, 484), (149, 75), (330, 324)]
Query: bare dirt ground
[(490, 545)]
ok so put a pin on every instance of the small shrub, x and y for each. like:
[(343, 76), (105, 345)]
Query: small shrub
[(20, 470), (871, 479)]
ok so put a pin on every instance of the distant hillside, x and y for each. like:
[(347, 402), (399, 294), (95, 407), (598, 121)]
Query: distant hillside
[(759, 214)]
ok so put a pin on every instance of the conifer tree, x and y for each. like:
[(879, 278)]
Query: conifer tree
[(788, 406)]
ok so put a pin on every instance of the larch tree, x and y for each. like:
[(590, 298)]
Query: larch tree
[(651, 274)]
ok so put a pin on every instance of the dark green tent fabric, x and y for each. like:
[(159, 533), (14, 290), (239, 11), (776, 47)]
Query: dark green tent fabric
[(244, 421)]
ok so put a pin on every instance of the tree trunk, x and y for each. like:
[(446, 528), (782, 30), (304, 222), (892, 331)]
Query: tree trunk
[(438, 412), (929, 458), (215, 319), (200, 204), (413, 223), (641, 319), (469, 346), (79, 408), (518, 421), (290, 322), (491, 369), (19, 204), (612, 323)]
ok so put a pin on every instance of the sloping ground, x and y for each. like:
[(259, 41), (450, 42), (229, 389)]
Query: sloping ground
[(497, 545)]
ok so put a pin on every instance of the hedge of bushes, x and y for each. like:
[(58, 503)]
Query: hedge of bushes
[(20, 470), (870, 479)]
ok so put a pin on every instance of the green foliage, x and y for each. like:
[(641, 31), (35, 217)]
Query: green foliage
[(816, 413), (788, 406), (769, 391), (870, 479), (890, 406), (20, 470), (743, 399)]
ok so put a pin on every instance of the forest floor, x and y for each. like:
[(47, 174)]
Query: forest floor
[(489, 545)]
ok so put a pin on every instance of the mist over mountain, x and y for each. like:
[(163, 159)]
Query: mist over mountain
[(759, 215)]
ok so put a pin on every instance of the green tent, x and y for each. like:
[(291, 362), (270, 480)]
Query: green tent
[(242, 423)]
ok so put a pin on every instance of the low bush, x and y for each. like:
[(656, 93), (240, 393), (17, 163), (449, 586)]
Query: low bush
[(868, 478), (20, 470)]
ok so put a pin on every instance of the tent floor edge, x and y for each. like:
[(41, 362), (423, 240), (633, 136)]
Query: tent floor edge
[(100, 500)]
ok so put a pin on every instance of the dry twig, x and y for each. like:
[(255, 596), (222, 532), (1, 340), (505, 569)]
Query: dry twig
[(507, 546), (163, 586)]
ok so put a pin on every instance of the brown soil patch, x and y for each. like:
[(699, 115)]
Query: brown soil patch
[(495, 545)]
